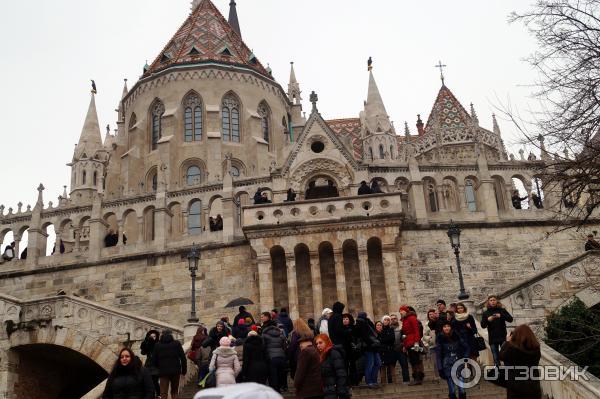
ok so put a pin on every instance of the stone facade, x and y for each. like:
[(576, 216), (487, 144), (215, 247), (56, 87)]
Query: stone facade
[(206, 128)]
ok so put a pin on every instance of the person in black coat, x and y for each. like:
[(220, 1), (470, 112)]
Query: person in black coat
[(274, 346), (284, 320), (494, 318), (333, 369), (387, 337), (364, 188), (147, 348), (254, 366), (522, 349), (171, 362), (128, 379), (335, 326), (243, 314), (365, 331), (449, 349), (352, 347), (464, 325), (216, 333)]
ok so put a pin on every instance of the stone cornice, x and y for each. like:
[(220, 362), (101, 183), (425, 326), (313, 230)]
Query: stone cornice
[(345, 224)]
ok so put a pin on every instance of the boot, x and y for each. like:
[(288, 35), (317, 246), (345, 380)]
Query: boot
[(462, 395), (451, 396)]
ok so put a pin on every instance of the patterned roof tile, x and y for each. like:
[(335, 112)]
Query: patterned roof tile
[(348, 128), (447, 112)]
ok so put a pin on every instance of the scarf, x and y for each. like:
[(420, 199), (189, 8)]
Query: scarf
[(461, 316)]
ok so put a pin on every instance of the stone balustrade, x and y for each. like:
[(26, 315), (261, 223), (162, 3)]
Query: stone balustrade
[(323, 210)]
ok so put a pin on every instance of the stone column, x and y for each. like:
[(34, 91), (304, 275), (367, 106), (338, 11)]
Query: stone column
[(440, 197), (184, 222), (390, 270), (488, 199), (265, 282), (292, 284), (120, 230), (340, 276), (417, 199), (315, 274), (17, 240), (365, 281), (140, 237), (77, 232), (462, 198), (59, 237), (228, 215)]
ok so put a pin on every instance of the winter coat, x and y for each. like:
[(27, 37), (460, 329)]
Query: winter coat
[(308, 381), (274, 341), (449, 349), (513, 356), (254, 365), (323, 326), (169, 357), (242, 315), (335, 325), (497, 327), (410, 328), (398, 346), (387, 339), (333, 373), (284, 319), (466, 334), (365, 332), (240, 331), (147, 348), (225, 362), (215, 337), (130, 386)]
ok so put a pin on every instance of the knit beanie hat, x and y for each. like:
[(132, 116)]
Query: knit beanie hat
[(225, 341), (404, 308)]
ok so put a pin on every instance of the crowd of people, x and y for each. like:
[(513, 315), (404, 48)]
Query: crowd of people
[(326, 358)]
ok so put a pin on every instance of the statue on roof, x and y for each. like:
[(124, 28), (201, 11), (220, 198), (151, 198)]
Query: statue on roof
[(94, 87), (370, 63)]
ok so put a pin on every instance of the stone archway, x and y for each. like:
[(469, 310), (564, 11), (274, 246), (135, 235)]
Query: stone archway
[(54, 362), (338, 173)]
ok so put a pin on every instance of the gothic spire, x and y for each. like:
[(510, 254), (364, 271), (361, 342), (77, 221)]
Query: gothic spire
[(474, 115), (375, 113), (120, 108), (294, 87), (233, 18), (90, 139), (495, 126)]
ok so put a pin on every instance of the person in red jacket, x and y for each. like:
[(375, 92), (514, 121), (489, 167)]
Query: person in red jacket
[(412, 343)]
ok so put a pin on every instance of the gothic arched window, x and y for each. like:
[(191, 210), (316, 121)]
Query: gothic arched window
[(470, 195), (195, 217), (192, 118), (95, 179), (433, 200), (392, 152), (193, 175), (381, 151), (371, 157), (158, 109), (263, 111), (84, 177), (230, 119), (154, 182)]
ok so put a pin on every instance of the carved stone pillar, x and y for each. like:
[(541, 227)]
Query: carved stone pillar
[(440, 195), (265, 282), (184, 223), (77, 232), (140, 222), (17, 240), (417, 199), (390, 270), (120, 231), (365, 281), (462, 198), (340, 276), (315, 274), (56, 250), (488, 199), (292, 284)]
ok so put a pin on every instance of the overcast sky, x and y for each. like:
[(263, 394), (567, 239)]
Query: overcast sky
[(51, 50)]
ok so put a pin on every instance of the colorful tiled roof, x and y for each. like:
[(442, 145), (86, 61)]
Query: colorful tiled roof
[(447, 112), (206, 36), (348, 128)]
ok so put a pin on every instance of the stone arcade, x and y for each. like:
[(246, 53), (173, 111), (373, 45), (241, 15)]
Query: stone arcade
[(204, 128)]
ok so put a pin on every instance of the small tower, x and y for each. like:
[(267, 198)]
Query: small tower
[(294, 94), (378, 134), (89, 159), (294, 87), (233, 18)]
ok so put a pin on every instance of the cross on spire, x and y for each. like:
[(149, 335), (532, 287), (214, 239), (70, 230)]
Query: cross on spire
[(441, 66), (313, 99)]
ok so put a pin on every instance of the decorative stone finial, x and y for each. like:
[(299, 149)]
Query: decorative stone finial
[(40, 189), (474, 114), (64, 195), (19, 206), (1, 210), (10, 211), (314, 98), (406, 129), (522, 154)]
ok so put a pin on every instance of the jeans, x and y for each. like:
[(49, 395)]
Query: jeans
[(373, 363), (277, 373), (403, 360), (495, 348), (452, 387)]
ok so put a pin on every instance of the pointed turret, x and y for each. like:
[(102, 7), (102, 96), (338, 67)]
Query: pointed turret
[(294, 87), (90, 140), (495, 125), (447, 112), (121, 108), (233, 18), (474, 115), (376, 116)]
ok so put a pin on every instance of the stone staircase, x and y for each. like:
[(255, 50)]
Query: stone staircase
[(432, 388)]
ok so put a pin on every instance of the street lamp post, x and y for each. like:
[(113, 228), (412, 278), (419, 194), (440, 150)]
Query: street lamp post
[(193, 258), (454, 235)]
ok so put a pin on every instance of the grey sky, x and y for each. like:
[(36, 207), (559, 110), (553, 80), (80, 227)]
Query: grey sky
[(51, 49)]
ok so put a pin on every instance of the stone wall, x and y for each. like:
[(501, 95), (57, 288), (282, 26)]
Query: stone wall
[(493, 259)]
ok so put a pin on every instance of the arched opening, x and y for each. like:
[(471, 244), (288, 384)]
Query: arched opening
[(519, 194), (194, 226), (149, 224), (193, 175), (470, 197), (371, 157), (151, 182), (265, 120), (157, 109), (303, 276), (215, 214), (241, 200), (230, 118), (65, 237), (450, 194), (377, 276), (111, 237), (379, 185), (50, 242), (402, 184), (352, 273), (431, 197), (50, 371), (500, 192), (130, 227), (7, 238), (279, 267), (192, 117), (537, 193), (381, 151), (321, 187), (327, 265)]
